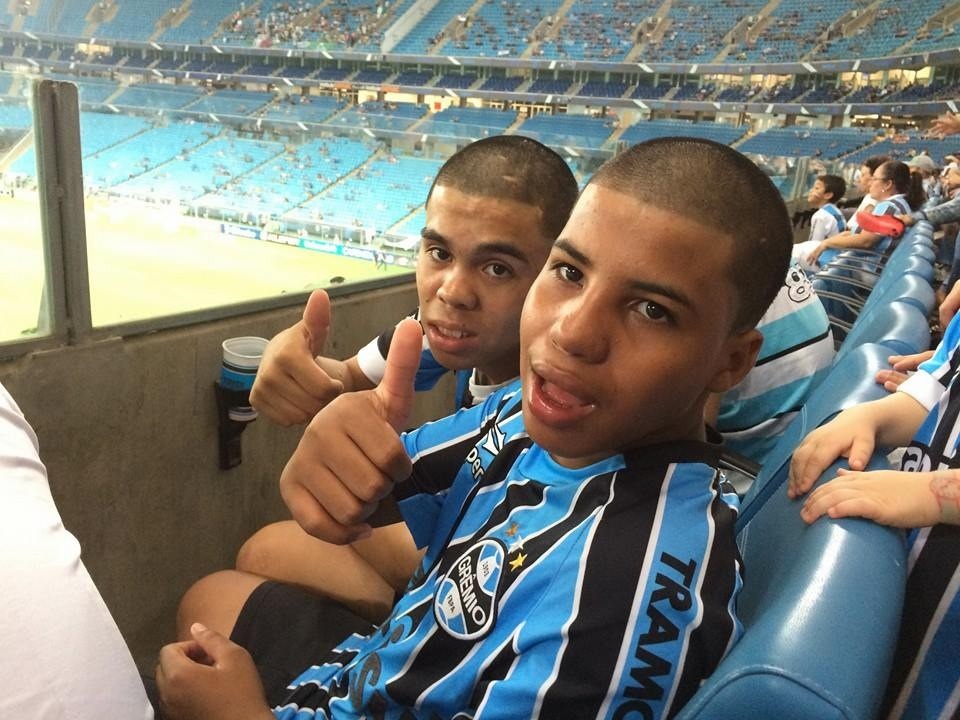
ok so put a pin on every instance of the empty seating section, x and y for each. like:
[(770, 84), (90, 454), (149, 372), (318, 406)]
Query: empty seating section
[(135, 19), (98, 131), (201, 169), (597, 29), (417, 79), (651, 92), (502, 84), (337, 158), (261, 69), (380, 194), (641, 132), (230, 102), (456, 82), (424, 36), (468, 122), (279, 185), (200, 23), (315, 109), (903, 146), (549, 86), (151, 148), (6, 83), (371, 77), (808, 142), (568, 130), (602, 89), (156, 96), (381, 116)]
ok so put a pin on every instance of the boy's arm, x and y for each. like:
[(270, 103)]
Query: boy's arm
[(845, 239), (888, 422), (293, 383), (351, 455), (889, 497)]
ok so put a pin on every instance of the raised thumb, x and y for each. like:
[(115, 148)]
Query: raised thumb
[(396, 389), (316, 320)]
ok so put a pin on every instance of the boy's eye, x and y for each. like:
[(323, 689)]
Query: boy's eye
[(653, 311), (568, 272), (498, 270), (438, 253)]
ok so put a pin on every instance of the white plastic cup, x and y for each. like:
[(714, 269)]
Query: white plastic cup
[(241, 358)]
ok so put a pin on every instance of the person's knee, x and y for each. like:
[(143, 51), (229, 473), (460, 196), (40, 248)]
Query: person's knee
[(261, 550), (216, 601)]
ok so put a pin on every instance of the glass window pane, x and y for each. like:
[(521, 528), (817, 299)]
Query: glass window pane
[(184, 213), (24, 313)]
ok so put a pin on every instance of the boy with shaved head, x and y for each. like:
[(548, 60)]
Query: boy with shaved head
[(580, 557)]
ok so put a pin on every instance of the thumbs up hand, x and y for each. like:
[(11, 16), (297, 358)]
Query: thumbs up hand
[(292, 384), (350, 456)]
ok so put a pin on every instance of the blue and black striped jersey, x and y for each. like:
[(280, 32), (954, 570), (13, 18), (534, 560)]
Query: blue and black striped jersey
[(605, 591), (925, 680)]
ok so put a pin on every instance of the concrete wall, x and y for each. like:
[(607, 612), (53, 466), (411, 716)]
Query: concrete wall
[(128, 431)]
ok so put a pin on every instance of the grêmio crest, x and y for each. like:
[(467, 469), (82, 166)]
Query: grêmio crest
[(465, 603)]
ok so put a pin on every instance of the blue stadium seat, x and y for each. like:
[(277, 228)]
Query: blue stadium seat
[(899, 325), (820, 607), (849, 382)]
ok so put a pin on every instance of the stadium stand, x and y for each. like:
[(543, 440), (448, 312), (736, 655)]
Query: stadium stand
[(383, 116), (576, 131), (466, 122), (663, 128), (808, 142)]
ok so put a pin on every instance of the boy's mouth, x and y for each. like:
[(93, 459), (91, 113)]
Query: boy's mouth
[(557, 403), (449, 338)]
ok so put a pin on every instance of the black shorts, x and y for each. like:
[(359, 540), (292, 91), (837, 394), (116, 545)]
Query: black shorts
[(287, 629)]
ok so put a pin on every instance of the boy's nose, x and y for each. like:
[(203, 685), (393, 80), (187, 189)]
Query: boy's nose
[(455, 290), (580, 333)]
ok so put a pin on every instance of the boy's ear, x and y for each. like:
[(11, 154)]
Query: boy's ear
[(737, 359)]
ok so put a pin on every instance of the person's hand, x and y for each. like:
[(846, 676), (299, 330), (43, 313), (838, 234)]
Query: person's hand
[(852, 434), (900, 366), (949, 306), (209, 678), (947, 124), (907, 220), (351, 455), (889, 497), (814, 257), (291, 387)]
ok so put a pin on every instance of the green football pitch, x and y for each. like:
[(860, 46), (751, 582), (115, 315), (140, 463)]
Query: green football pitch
[(146, 262)]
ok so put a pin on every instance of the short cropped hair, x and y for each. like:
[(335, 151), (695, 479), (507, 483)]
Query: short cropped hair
[(835, 185), (513, 167), (737, 199)]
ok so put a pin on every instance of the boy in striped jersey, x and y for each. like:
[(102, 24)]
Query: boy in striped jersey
[(493, 211), (925, 494), (580, 557)]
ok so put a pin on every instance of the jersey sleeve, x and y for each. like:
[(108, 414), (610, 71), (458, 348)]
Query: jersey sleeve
[(928, 384), (372, 359)]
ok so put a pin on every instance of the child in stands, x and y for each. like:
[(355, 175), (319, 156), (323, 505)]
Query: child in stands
[(493, 212), (924, 494)]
